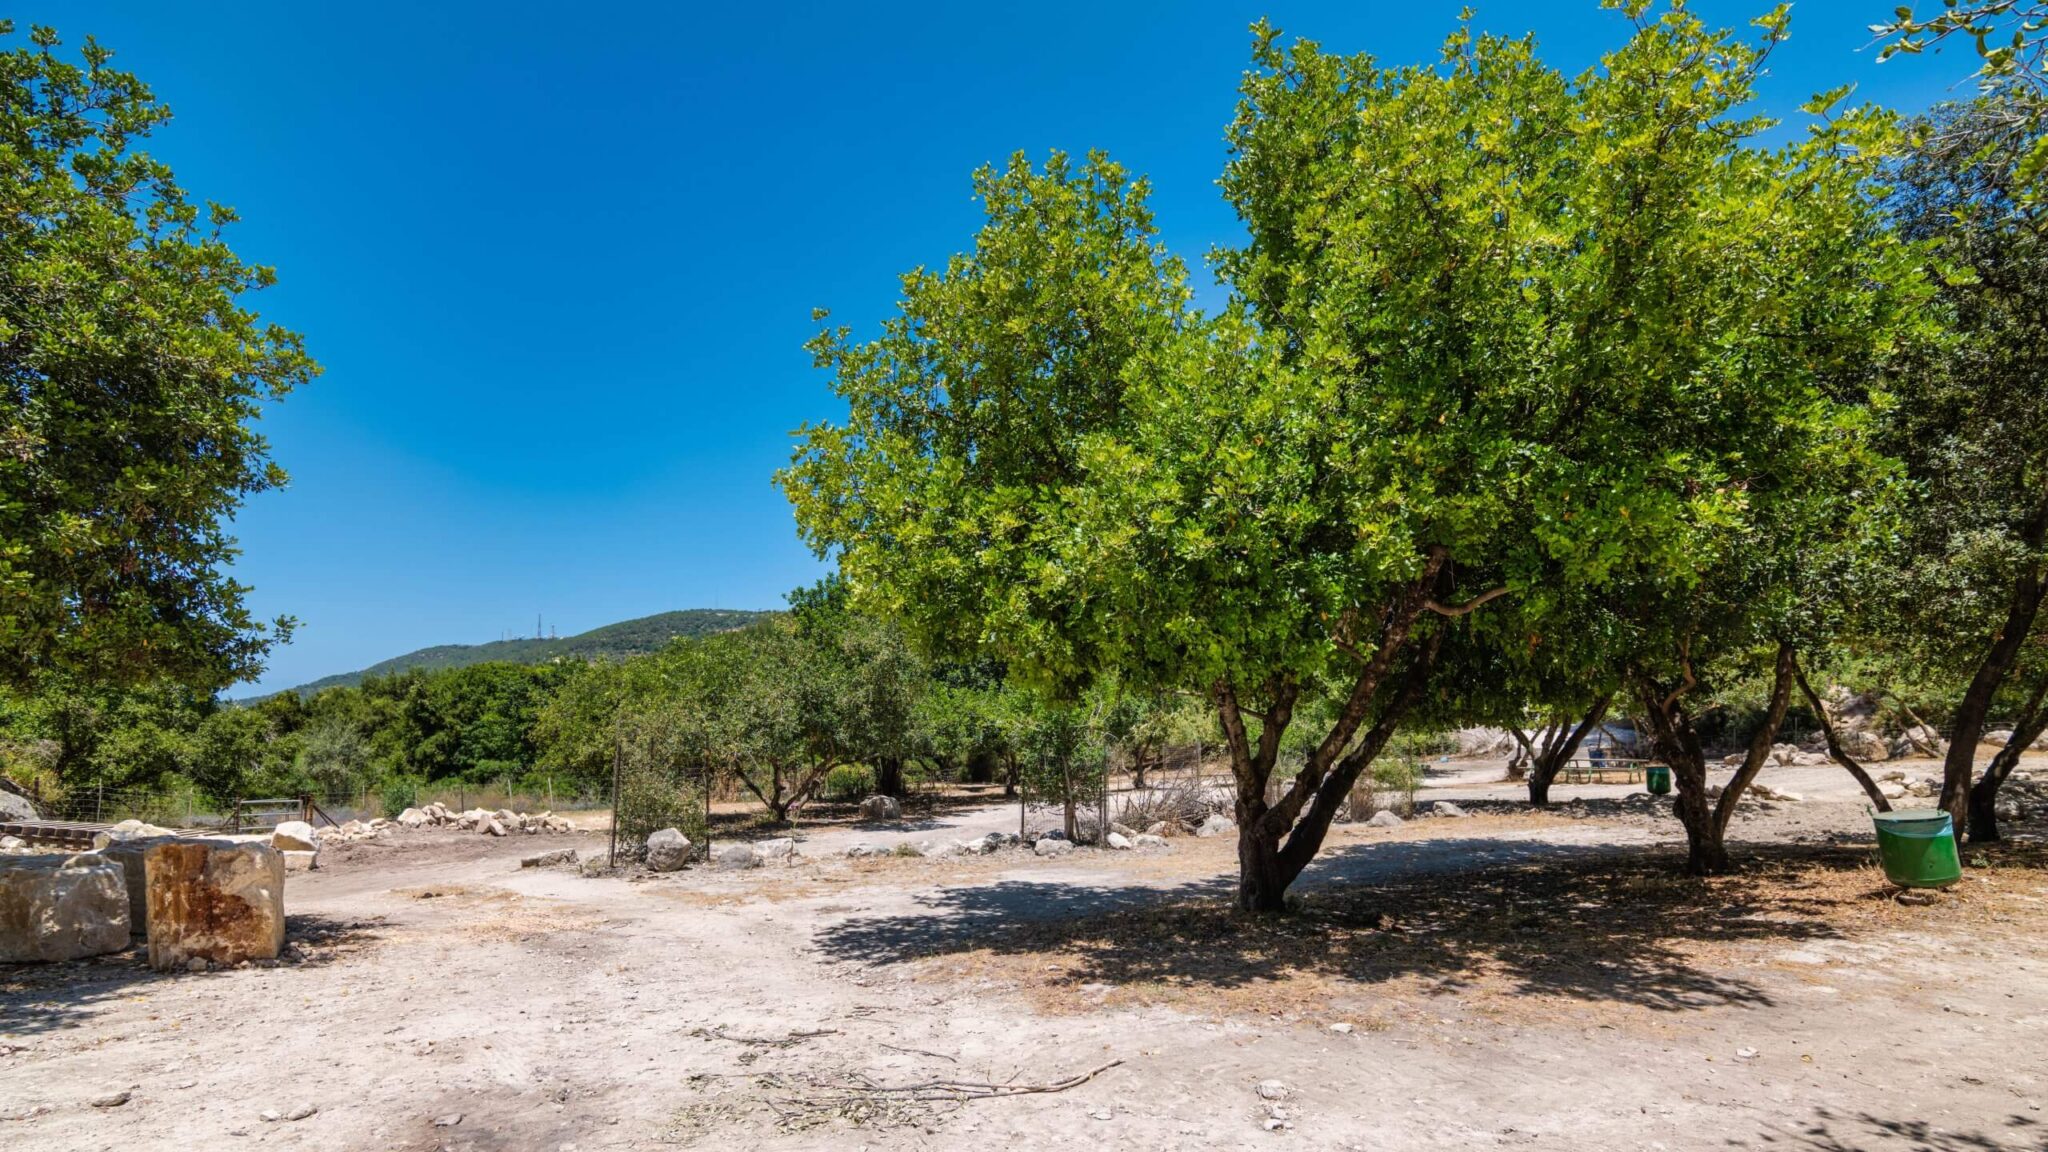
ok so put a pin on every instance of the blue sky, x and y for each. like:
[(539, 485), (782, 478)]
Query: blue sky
[(559, 262)]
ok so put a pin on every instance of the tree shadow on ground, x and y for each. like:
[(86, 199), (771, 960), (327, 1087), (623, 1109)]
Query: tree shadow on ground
[(1833, 1132), (41, 998), (1583, 922)]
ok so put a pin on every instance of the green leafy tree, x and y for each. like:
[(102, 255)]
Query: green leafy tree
[(1969, 419), (131, 373), (1500, 336)]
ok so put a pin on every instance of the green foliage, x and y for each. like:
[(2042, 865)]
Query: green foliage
[(398, 794), (131, 374), (847, 782)]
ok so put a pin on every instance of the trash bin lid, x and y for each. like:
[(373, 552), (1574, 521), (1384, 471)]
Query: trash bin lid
[(1911, 819)]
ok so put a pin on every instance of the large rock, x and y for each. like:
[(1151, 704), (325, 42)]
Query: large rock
[(55, 907), (881, 808), (1118, 841), (782, 851), (1051, 847), (667, 850), (413, 818), (1215, 824), (128, 830), (1384, 819), (213, 901), (294, 836), (128, 854), (735, 857)]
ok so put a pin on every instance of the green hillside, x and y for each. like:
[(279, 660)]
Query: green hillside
[(625, 638)]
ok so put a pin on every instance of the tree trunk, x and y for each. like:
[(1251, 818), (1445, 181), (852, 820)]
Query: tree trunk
[(1277, 840), (1675, 742), (1983, 802), (1961, 762), (889, 776), (1560, 742), (1678, 745), (1138, 766), (1835, 749), (1261, 880)]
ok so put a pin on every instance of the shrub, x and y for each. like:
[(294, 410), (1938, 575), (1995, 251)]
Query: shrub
[(398, 794), (848, 782), (653, 798)]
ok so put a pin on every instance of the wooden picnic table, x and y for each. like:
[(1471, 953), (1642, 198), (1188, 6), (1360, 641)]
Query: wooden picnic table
[(1586, 770)]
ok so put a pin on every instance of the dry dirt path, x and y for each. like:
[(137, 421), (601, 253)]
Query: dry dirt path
[(449, 999)]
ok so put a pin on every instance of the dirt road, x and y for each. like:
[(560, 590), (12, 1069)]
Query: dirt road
[(443, 997)]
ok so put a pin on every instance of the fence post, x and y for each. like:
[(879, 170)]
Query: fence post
[(612, 857)]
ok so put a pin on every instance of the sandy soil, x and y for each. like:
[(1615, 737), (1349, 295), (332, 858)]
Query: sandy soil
[(442, 997)]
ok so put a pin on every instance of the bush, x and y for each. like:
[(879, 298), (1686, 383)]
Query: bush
[(1394, 781), (652, 798), (398, 794), (847, 782)]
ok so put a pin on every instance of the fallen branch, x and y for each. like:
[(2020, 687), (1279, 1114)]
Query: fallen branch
[(789, 1041), (964, 1089), (921, 1052)]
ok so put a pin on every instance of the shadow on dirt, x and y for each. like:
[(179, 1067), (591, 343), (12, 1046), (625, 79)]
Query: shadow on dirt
[(1583, 922), (39, 998), (1830, 1132)]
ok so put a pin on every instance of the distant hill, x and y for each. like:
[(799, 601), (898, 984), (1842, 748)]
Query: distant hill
[(626, 638)]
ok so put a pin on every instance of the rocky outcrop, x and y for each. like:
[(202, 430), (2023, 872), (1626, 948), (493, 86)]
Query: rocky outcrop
[(55, 907), (881, 808), (213, 902)]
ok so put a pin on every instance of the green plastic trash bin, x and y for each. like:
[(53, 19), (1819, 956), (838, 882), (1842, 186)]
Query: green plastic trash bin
[(1918, 847), (1657, 778)]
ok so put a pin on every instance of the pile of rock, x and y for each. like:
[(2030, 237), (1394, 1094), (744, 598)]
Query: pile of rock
[(1041, 842), (1897, 785), (503, 822)]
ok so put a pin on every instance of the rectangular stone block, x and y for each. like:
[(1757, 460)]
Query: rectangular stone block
[(212, 901)]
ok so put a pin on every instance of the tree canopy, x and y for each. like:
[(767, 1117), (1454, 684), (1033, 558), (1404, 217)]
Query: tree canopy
[(131, 373)]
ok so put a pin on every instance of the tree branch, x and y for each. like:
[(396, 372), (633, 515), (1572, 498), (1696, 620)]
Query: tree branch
[(1468, 606)]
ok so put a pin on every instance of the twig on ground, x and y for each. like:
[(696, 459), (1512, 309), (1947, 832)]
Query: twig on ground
[(921, 1052), (789, 1041)]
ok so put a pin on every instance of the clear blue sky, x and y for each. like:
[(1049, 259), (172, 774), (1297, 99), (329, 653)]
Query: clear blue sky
[(559, 262)]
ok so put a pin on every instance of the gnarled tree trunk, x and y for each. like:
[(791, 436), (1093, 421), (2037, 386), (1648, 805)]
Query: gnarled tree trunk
[(1671, 732), (1961, 762), (1984, 793), (1560, 742)]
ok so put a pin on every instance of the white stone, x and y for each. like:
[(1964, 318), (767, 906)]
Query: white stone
[(782, 850), (1051, 847), (1215, 824), (57, 907), (1118, 841), (667, 850), (413, 818), (734, 857), (1384, 819), (1446, 808), (881, 808), (294, 836), (1147, 840)]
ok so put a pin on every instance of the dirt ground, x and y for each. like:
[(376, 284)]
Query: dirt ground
[(1513, 979)]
